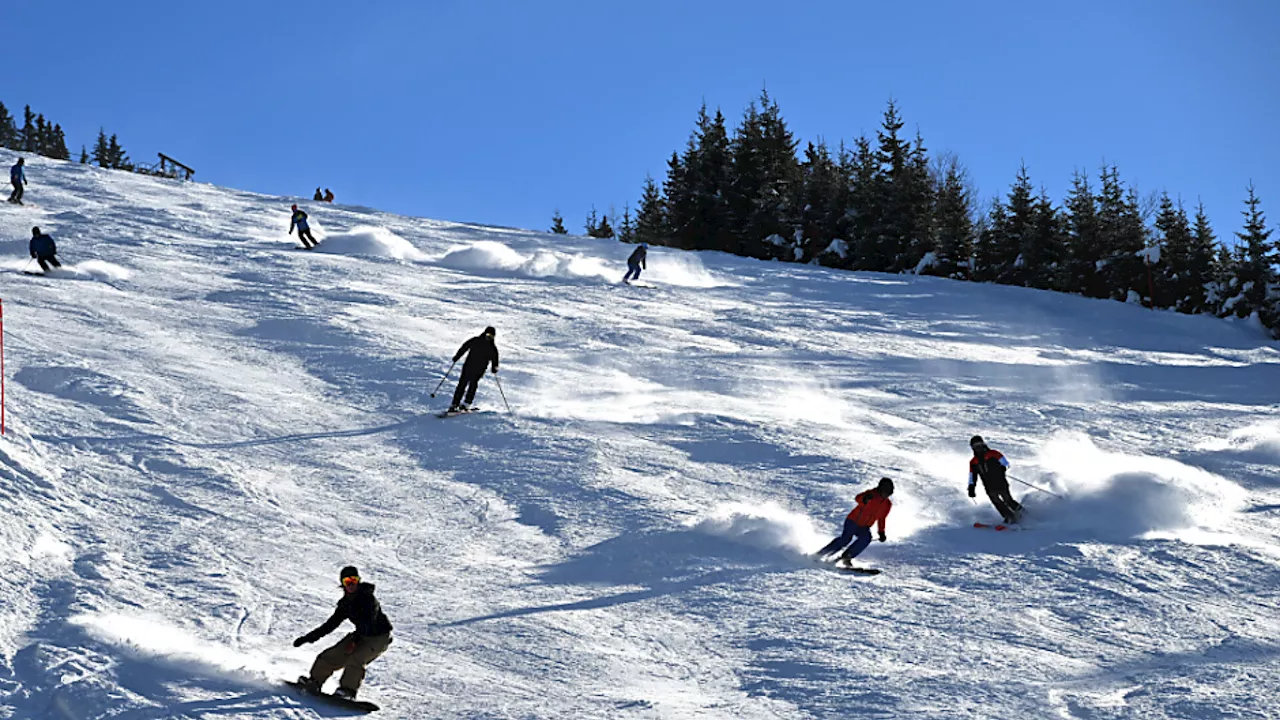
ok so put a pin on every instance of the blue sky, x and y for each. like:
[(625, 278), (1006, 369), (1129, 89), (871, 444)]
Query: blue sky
[(500, 111)]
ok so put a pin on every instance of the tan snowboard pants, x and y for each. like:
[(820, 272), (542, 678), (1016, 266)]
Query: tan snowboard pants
[(351, 655)]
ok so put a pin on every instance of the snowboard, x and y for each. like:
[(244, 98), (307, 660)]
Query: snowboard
[(364, 705)]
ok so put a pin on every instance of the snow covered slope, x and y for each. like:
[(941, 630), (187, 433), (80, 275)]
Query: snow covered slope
[(205, 424)]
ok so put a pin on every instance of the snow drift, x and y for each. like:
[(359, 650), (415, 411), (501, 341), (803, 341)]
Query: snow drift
[(494, 258), (369, 241)]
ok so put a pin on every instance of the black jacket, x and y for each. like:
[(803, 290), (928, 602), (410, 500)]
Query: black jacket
[(43, 246), (362, 609), (481, 352), (638, 257)]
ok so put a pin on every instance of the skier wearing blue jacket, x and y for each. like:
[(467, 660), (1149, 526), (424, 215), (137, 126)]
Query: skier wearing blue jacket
[(635, 263), (299, 220), (43, 249), (18, 178)]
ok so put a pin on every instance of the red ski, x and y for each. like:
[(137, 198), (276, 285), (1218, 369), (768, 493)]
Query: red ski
[(988, 526)]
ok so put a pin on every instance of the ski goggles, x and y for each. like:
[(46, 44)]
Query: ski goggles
[(350, 580)]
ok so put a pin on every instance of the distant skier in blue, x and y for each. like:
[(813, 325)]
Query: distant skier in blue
[(18, 177), (636, 263), (43, 250), (299, 220)]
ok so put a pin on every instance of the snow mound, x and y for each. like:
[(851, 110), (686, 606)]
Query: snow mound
[(1117, 496), (371, 241), (495, 258), (767, 526), (1257, 443), (682, 270)]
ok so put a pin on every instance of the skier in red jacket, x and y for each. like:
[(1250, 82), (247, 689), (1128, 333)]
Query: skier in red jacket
[(872, 508)]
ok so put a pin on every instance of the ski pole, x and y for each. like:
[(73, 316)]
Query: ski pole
[(1033, 487), (500, 390), (446, 377)]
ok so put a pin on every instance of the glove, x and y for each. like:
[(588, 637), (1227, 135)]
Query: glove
[(495, 371), (300, 641), (971, 491), (882, 537)]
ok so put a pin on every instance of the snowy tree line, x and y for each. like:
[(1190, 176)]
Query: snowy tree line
[(40, 137), (885, 204)]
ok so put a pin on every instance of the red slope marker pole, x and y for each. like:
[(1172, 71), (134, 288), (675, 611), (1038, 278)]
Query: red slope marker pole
[(1, 367)]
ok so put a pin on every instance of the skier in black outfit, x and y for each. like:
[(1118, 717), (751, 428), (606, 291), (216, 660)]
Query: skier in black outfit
[(358, 648), (636, 263), (43, 250), (990, 465), (481, 352)]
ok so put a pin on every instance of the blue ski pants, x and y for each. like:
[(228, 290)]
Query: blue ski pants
[(853, 532), (633, 272)]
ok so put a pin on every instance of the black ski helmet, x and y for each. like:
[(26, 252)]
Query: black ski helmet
[(977, 441), (35, 232), (885, 487), (348, 571), (490, 331)]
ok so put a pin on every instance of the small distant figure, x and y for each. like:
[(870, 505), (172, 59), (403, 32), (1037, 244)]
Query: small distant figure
[(319, 196), (18, 177), (871, 508), (328, 195), (990, 465), (358, 648), (481, 352), (636, 263), (299, 221), (44, 250)]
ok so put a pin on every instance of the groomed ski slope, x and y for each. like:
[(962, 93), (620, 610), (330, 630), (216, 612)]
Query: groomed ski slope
[(205, 424)]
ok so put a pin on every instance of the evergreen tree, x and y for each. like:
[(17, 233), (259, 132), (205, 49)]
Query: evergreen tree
[(118, 158), (604, 229), (1174, 278), (674, 188), (699, 212), (1256, 267), (1080, 272), (627, 228), (557, 223), (84, 156), (765, 183), (1123, 235), (865, 207), (29, 135), (43, 133), (593, 223), (9, 137), (953, 220), (1011, 225), (102, 151), (1200, 266), (1043, 249), (823, 200), (58, 144), (651, 221)]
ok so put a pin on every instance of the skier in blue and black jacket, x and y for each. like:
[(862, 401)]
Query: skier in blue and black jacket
[(18, 177), (299, 220), (43, 250), (636, 263)]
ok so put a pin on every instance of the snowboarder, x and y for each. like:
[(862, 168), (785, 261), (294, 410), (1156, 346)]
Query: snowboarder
[(481, 352), (357, 649), (990, 465), (18, 177), (43, 250), (636, 263), (872, 508), (319, 196), (299, 220), (328, 195)]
